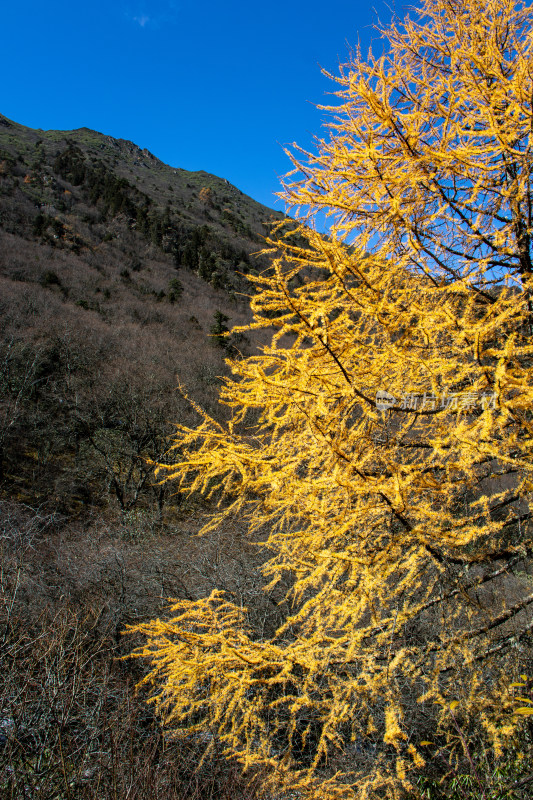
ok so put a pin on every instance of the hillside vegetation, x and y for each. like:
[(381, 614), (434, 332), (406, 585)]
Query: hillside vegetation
[(115, 272), (119, 276)]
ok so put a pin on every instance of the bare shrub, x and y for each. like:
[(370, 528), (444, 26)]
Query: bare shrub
[(71, 724)]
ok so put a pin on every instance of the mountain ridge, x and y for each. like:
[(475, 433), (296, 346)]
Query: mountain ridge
[(93, 142)]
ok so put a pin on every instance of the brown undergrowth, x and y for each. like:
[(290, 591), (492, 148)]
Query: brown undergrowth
[(72, 726)]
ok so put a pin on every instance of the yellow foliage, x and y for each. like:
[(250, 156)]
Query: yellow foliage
[(394, 525)]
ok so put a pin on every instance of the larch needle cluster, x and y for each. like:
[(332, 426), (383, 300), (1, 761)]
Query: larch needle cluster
[(384, 437)]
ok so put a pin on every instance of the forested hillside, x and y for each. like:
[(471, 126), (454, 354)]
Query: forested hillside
[(119, 277)]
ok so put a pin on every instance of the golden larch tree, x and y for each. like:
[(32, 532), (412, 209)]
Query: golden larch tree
[(384, 437)]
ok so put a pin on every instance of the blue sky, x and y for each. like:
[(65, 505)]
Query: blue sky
[(213, 85)]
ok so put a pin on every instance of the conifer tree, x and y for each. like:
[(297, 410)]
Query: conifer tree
[(219, 329), (385, 435)]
